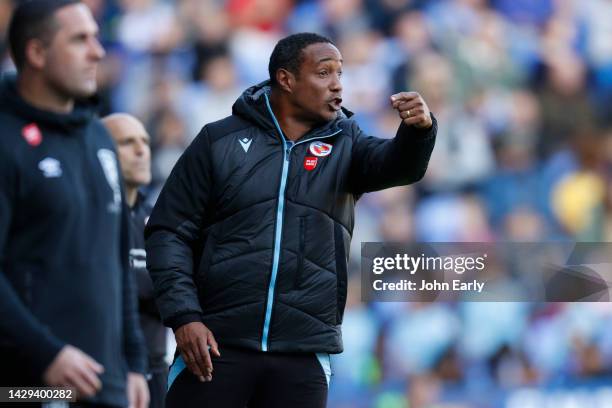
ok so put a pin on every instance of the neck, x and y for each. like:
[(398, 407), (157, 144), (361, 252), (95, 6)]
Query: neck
[(37, 92), (291, 125), (131, 193)]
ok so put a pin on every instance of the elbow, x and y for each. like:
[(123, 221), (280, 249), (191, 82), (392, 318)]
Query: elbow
[(415, 175), (420, 174)]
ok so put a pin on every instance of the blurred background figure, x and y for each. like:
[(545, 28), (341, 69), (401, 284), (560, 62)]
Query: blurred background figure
[(67, 297), (523, 93), (134, 151)]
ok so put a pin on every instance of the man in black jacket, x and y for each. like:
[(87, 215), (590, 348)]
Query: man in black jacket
[(133, 142), (67, 300), (248, 242)]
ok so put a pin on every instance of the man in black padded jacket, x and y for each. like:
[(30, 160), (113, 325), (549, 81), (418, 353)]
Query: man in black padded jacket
[(67, 300), (248, 242)]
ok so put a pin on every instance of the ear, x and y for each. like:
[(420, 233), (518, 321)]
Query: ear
[(285, 80), (35, 53)]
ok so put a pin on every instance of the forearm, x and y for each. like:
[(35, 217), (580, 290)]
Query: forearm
[(170, 264), (377, 164), (410, 152)]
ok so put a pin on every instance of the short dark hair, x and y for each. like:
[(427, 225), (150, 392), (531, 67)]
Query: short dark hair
[(32, 19), (287, 53)]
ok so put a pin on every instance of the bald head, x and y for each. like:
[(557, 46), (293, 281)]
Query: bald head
[(132, 142), (122, 123)]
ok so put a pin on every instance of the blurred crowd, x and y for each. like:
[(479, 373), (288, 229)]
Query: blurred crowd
[(523, 94)]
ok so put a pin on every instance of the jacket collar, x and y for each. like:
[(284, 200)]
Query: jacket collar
[(252, 105), (81, 115)]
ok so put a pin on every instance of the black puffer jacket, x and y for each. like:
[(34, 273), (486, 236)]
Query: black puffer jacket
[(251, 233)]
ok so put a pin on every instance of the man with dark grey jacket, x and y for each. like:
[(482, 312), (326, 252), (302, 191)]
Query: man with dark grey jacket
[(133, 149), (67, 300), (248, 242)]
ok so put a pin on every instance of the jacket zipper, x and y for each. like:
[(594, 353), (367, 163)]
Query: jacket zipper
[(287, 147)]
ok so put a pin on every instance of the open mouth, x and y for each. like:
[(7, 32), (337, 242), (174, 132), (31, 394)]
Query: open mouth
[(336, 103)]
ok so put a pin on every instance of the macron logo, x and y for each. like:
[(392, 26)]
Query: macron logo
[(245, 143)]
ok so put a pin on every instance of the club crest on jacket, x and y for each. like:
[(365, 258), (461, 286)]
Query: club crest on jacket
[(109, 165), (320, 149)]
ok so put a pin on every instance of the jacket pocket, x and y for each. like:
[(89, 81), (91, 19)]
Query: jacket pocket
[(299, 270), (341, 272)]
